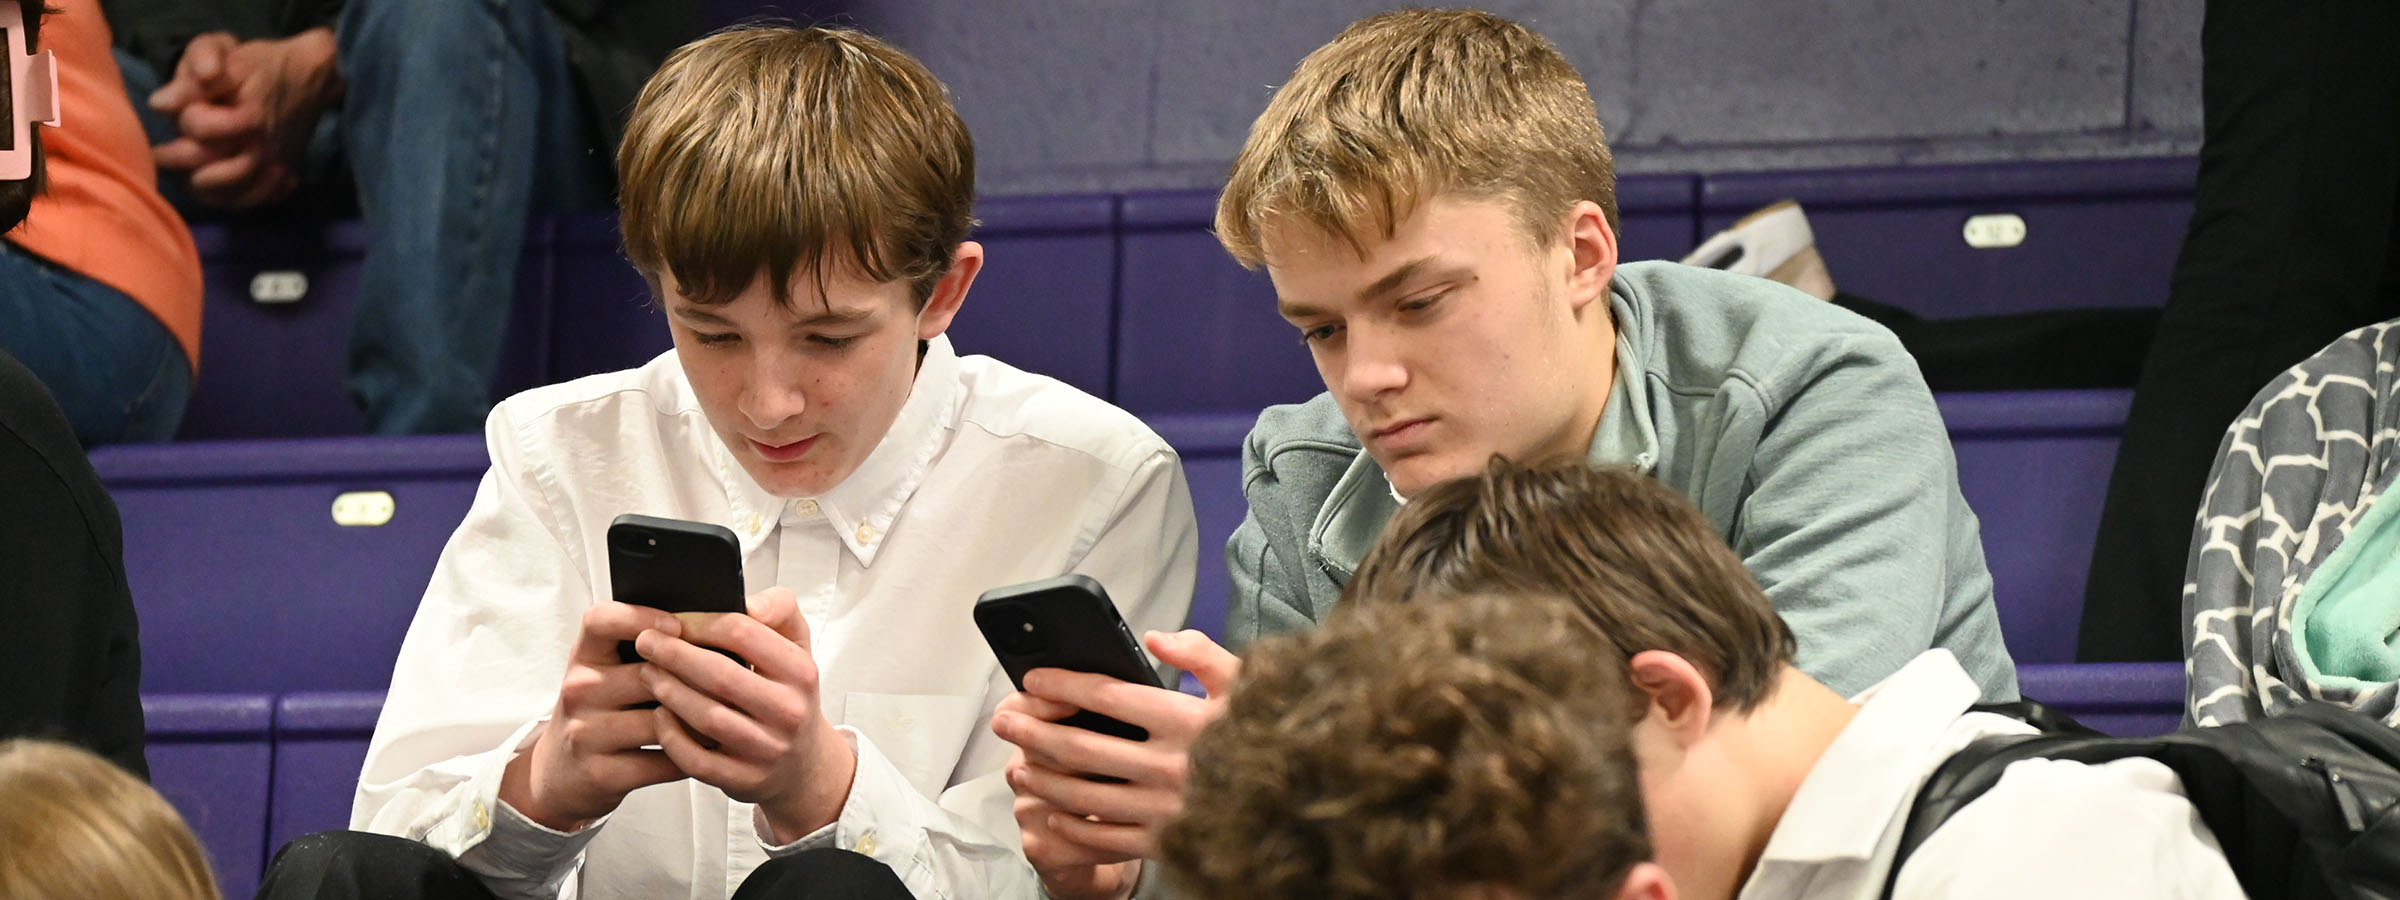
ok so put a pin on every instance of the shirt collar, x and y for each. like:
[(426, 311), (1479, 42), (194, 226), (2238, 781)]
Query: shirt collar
[(1627, 436), (861, 508), (1853, 795)]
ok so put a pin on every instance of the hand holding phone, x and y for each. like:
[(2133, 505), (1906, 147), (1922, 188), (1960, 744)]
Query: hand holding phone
[(1065, 622), (673, 566)]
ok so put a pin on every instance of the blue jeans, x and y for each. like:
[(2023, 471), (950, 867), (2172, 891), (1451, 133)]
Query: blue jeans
[(461, 117), (115, 368)]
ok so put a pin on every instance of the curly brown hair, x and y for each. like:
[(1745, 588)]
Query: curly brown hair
[(1423, 750), (1641, 562)]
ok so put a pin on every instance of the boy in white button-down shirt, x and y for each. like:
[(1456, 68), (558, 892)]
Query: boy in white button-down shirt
[(1471, 749), (799, 200)]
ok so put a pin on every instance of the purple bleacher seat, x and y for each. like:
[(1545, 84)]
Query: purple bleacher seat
[(277, 369), (1046, 299), (2095, 233), (2034, 466), (209, 756), (320, 743), (602, 316), (241, 577), (2123, 699), (1198, 333), (1211, 447)]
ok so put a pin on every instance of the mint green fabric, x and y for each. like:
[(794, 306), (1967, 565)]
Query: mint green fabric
[(2348, 614)]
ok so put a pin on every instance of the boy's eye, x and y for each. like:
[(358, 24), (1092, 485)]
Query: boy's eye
[(1319, 333), (1415, 304), (713, 339), (830, 341)]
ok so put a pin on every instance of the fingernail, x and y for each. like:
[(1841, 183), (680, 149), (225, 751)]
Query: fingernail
[(646, 642)]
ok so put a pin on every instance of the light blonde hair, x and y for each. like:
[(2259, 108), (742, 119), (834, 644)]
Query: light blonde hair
[(1468, 748), (1413, 104), (769, 149), (73, 825)]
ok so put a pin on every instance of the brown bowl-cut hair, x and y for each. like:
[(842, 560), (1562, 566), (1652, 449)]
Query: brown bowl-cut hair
[(1459, 749), (767, 150), (75, 825), (1406, 106), (1640, 562)]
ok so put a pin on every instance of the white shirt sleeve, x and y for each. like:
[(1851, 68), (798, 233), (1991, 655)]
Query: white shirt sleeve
[(966, 844), (476, 679), (2059, 829)]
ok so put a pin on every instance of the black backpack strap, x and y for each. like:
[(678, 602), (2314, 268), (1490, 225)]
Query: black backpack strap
[(1970, 772)]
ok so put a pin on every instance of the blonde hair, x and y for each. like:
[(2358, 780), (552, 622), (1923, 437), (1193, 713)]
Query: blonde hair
[(1471, 747), (769, 149), (1408, 105), (73, 825)]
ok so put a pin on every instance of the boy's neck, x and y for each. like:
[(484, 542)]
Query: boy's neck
[(1783, 739)]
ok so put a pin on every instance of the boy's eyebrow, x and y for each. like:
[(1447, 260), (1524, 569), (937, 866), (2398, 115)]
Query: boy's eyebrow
[(835, 317), (1385, 285), (696, 315), (701, 316)]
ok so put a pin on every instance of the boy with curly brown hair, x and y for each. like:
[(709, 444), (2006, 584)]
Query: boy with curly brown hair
[(1376, 759)]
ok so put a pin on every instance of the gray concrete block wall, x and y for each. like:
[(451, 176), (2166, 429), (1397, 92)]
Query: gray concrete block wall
[(1109, 95)]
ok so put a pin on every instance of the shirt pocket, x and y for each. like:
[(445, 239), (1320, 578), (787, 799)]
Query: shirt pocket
[(923, 735)]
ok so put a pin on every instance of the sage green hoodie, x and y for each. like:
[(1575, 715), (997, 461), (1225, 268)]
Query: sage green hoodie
[(1804, 432)]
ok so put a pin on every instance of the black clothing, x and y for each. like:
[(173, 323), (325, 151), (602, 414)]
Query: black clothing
[(2294, 241), (70, 660), (354, 865)]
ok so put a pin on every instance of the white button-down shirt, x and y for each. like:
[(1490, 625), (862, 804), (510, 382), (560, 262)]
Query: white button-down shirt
[(2048, 828), (990, 476)]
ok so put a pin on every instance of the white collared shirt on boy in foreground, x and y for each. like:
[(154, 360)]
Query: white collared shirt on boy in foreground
[(990, 476), (2048, 828)]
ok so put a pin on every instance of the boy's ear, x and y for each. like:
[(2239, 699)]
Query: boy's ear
[(1680, 700), (1647, 881), (1592, 247), (950, 292)]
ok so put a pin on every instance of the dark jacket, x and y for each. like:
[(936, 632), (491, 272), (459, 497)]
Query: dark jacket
[(613, 45), (69, 654)]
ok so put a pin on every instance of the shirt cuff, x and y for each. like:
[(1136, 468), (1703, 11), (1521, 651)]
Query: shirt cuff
[(511, 854), (853, 813)]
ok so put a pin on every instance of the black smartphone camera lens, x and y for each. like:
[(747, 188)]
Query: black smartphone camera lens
[(1018, 634)]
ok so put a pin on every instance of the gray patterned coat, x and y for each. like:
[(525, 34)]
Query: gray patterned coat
[(2314, 449)]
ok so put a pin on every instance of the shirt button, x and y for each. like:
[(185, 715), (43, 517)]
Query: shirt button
[(866, 844), (483, 818), (866, 534), (806, 507), (751, 525)]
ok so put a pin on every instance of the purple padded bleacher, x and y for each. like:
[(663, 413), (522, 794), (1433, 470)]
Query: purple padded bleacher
[(275, 369), (2095, 233), (1198, 333), (2034, 466), (1046, 301), (210, 757), (320, 744), (603, 320), (242, 578), (2123, 699), (1211, 447)]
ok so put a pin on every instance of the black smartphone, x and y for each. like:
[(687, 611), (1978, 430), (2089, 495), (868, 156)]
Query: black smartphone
[(1065, 622), (675, 566)]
